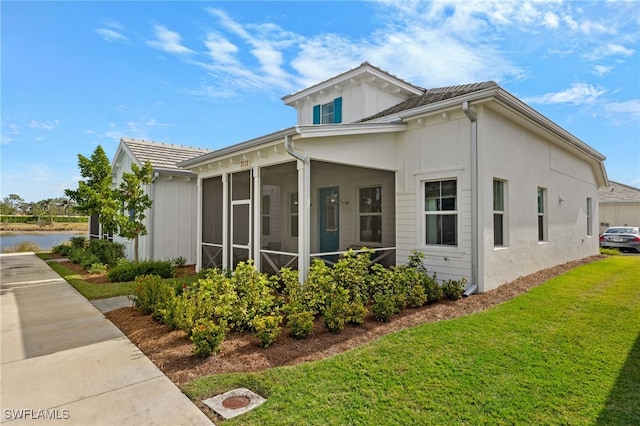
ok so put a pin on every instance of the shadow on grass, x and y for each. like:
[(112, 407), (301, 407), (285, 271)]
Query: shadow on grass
[(623, 404)]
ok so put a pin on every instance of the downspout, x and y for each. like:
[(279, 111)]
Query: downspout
[(472, 287), (304, 208)]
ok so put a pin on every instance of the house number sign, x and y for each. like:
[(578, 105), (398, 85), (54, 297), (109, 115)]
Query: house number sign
[(245, 163)]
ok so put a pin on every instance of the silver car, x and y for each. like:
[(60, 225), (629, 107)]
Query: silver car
[(621, 237)]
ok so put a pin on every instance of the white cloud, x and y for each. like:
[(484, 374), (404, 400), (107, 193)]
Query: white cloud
[(111, 35), (622, 112), (609, 49), (551, 20), (577, 94), (168, 41), (47, 125), (602, 70)]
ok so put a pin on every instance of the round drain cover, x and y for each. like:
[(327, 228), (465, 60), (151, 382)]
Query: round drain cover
[(235, 402)]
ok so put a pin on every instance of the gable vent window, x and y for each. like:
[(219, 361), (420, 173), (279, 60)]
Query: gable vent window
[(328, 113)]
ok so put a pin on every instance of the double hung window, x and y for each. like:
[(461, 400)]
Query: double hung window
[(498, 213), (441, 212)]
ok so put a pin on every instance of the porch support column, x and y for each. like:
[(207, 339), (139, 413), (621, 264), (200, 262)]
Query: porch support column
[(304, 216), (199, 219), (225, 221), (255, 239)]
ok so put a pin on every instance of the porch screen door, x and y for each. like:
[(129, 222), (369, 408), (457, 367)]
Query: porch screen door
[(241, 229)]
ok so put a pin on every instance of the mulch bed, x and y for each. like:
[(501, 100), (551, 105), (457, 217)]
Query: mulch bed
[(172, 352)]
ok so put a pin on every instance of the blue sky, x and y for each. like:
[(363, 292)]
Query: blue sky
[(76, 75)]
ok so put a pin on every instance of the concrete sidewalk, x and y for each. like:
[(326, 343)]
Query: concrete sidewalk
[(63, 362)]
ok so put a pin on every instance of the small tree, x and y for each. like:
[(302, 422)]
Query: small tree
[(95, 195), (135, 202)]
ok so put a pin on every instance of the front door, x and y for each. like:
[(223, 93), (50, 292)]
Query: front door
[(329, 219)]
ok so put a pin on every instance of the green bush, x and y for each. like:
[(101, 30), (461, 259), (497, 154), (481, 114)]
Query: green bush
[(384, 306), (267, 328), (432, 289), (416, 296), (356, 312), (179, 261), (97, 268), (127, 271), (107, 251), (453, 289), (350, 272), (337, 311), (64, 249), (207, 336), (318, 287), (300, 324), (255, 295), (78, 242)]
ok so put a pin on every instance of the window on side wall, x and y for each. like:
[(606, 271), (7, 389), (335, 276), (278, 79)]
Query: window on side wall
[(328, 113), (370, 214), (441, 212), (589, 217), (542, 217), (499, 213)]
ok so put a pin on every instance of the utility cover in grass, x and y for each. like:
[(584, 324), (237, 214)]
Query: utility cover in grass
[(235, 402)]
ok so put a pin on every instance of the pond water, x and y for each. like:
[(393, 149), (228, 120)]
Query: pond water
[(45, 241)]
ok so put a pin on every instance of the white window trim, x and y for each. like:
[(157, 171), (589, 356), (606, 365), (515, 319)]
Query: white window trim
[(505, 213), (360, 215), (420, 179)]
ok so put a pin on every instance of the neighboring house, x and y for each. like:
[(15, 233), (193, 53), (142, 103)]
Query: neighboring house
[(619, 206), (171, 221), (482, 184)]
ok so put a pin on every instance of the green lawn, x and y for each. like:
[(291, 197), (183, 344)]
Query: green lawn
[(567, 352)]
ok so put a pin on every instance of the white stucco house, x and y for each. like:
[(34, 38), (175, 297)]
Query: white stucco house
[(619, 205), (484, 185), (172, 221)]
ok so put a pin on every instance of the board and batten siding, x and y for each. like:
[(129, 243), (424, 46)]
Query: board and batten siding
[(435, 148)]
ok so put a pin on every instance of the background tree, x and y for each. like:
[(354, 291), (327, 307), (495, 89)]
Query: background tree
[(135, 202), (95, 195)]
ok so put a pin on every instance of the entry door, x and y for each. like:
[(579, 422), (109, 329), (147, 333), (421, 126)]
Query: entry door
[(329, 219)]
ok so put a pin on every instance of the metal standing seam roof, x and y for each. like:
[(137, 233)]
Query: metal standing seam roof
[(162, 156), (619, 193)]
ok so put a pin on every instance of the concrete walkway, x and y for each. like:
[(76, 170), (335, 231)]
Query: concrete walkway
[(63, 362)]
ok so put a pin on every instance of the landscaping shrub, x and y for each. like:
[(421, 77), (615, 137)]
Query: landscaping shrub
[(255, 295), (384, 306), (453, 289), (350, 272), (207, 336), (356, 312), (337, 311), (432, 289), (107, 251), (318, 287), (127, 271), (416, 296), (300, 324), (179, 262), (97, 268), (63, 249), (267, 328), (78, 242)]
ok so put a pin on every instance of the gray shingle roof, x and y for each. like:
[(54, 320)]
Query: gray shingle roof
[(162, 156), (431, 96), (619, 193)]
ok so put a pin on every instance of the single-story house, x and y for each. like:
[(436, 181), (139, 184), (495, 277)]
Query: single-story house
[(485, 186), (619, 205), (171, 221)]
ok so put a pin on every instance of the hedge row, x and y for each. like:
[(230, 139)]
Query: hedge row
[(34, 219)]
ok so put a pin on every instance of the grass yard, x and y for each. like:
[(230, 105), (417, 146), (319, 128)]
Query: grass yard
[(567, 352)]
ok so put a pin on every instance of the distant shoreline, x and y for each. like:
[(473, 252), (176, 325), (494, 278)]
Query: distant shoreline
[(7, 229)]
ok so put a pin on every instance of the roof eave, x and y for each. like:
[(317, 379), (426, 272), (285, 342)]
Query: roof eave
[(327, 130)]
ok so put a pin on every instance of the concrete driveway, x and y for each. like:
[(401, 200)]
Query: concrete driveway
[(63, 362)]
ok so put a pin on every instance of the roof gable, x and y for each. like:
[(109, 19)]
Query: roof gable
[(162, 156)]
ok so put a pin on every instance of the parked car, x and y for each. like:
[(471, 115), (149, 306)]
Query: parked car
[(621, 237)]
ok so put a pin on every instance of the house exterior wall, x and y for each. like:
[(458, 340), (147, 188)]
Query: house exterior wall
[(618, 214), (358, 101), (171, 222), (527, 161), (436, 148), (174, 219)]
